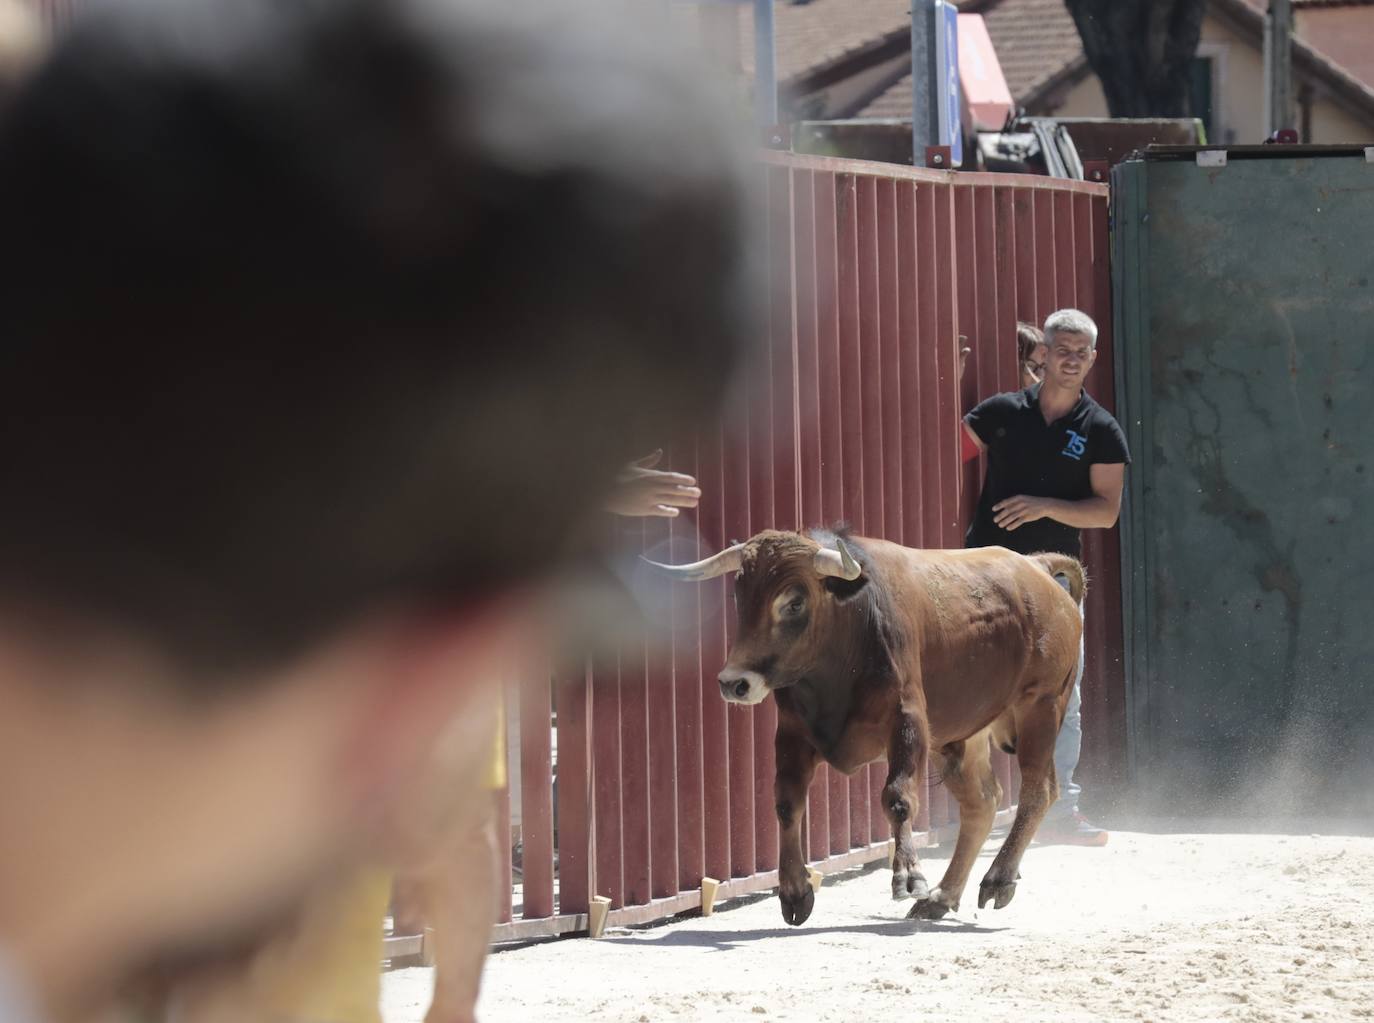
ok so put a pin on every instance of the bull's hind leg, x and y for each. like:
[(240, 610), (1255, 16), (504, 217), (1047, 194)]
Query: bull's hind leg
[(968, 775), (906, 762), (1037, 727)]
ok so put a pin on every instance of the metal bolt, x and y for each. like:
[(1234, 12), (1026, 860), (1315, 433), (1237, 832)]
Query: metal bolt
[(937, 159)]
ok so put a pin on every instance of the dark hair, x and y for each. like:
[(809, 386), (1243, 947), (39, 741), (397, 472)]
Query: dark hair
[(1027, 337), (309, 307)]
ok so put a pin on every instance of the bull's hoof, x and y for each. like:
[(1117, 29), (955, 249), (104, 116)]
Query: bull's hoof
[(933, 907), (796, 911), (999, 893), (909, 886)]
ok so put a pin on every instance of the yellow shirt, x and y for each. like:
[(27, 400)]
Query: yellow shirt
[(328, 970), (496, 772)]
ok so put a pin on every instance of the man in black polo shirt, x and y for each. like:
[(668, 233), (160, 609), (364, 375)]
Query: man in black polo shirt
[(1056, 463)]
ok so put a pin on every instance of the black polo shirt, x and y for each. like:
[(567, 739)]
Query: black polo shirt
[(1027, 456)]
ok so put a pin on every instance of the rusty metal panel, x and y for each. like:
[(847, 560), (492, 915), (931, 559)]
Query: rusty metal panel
[(536, 794), (783, 330), (763, 456), (776, 497), (608, 861), (925, 348), (684, 545), (575, 831), (503, 838), (1028, 302), (808, 314), (661, 749), (1089, 257), (892, 524), (848, 425), (827, 185), (946, 345), (874, 276), (735, 491), (634, 761), (715, 613), (1008, 309), (1044, 252)]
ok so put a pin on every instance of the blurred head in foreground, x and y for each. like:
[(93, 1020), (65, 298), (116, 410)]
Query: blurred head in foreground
[(324, 326)]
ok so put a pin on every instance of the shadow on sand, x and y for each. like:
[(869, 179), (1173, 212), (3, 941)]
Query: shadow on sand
[(724, 941)]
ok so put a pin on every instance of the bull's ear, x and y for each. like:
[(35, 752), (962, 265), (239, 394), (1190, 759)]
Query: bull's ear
[(844, 589)]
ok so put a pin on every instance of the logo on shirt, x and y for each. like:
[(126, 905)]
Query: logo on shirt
[(1076, 447)]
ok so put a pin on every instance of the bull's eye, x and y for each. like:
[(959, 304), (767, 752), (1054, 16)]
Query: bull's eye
[(793, 608)]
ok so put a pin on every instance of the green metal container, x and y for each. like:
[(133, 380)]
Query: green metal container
[(1244, 286)]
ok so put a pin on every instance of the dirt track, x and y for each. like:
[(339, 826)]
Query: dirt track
[(1153, 927)]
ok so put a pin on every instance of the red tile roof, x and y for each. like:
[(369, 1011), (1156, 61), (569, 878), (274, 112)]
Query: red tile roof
[(811, 35), (1343, 33), (1036, 41), (894, 102)]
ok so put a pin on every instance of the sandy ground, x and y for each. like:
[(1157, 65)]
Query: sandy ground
[(1153, 927)]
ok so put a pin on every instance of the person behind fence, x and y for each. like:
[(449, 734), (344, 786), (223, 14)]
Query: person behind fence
[(1030, 354), (1056, 465), (324, 339)]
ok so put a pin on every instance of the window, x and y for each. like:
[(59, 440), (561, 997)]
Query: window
[(1200, 94)]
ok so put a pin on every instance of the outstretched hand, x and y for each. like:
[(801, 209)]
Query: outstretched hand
[(642, 490)]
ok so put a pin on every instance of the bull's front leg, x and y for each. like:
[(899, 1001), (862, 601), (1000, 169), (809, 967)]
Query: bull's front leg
[(796, 763), (906, 764)]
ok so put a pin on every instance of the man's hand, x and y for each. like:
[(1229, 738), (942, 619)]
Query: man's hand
[(643, 490), (1017, 511)]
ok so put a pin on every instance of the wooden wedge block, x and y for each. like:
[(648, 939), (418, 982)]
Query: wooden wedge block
[(596, 915), (709, 887)]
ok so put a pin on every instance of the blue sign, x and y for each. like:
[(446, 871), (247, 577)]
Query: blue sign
[(947, 101)]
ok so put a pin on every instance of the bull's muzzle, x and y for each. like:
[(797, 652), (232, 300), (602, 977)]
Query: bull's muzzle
[(742, 686)]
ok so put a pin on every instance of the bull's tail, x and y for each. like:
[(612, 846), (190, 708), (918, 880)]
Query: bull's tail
[(1068, 572)]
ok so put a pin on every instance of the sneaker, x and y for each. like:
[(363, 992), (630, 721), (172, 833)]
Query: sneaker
[(1072, 830)]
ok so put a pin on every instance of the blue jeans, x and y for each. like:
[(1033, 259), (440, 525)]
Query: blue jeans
[(1068, 746)]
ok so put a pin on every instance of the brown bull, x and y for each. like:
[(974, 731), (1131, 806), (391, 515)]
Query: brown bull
[(874, 650)]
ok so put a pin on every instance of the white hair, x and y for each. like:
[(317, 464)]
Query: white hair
[(1070, 321)]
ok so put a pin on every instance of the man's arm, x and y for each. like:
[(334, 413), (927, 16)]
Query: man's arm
[(972, 446), (1097, 512)]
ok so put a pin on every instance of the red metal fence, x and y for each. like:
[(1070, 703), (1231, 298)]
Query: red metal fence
[(876, 271)]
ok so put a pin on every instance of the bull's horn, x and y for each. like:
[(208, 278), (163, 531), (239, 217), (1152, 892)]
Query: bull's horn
[(839, 563), (728, 560)]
